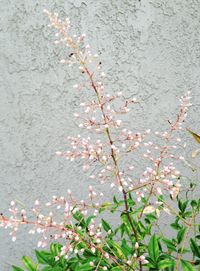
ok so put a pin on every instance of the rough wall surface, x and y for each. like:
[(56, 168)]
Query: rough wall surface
[(150, 49)]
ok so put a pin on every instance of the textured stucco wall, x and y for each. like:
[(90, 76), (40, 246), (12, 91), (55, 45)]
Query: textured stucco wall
[(150, 49)]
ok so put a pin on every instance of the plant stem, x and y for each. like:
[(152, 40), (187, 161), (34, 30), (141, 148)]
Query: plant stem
[(183, 245), (114, 161)]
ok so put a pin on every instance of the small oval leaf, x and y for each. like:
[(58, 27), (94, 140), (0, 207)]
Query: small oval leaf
[(149, 209), (195, 136)]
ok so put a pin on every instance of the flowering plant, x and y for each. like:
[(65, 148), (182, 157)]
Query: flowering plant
[(82, 240)]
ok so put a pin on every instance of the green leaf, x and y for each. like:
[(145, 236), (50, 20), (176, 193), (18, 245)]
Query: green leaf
[(44, 257), (87, 253), (117, 249), (105, 225), (176, 225), (127, 227), (55, 249), (15, 268), (125, 248), (180, 235), (195, 248), (89, 219), (170, 245), (115, 200), (187, 214), (85, 267), (56, 268), (187, 266), (47, 268), (153, 248), (166, 264), (150, 218), (80, 218), (142, 229), (182, 205), (105, 206), (29, 264), (193, 203), (116, 268), (123, 229)]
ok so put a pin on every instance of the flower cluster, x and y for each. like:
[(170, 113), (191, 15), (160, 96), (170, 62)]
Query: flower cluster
[(101, 115)]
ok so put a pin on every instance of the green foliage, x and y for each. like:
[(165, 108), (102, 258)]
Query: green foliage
[(28, 263), (15, 268), (195, 248), (153, 249), (160, 250), (187, 266)]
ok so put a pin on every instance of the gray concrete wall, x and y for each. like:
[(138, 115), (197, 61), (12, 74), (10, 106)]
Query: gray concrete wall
[(150, 49)]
